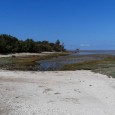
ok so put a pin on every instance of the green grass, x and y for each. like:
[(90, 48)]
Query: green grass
[(105, 66)]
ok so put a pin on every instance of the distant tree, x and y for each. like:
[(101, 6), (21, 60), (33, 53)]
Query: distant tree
[(29, 45), (10, 44), (58, 46), (77, 50), (7, 43), (57, 42)]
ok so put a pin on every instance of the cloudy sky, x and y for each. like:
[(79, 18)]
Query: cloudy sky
[(84, 24)]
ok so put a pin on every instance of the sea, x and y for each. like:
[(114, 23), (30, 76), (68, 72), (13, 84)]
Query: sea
[(88, 52)]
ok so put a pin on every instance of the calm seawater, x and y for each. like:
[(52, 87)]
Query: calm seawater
[(87, 52), (58, 63)]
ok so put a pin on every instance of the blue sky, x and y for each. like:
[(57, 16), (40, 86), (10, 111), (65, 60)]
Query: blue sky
[(84, 24)]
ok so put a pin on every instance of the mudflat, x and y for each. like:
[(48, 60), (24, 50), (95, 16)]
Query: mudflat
[(56, 93)]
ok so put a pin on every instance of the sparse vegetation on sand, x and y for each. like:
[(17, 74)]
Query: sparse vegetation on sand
[(25, 62), (105, 66)]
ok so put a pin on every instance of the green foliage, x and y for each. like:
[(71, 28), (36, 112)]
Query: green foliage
[(10, 44), (7, 43), (58, 46)]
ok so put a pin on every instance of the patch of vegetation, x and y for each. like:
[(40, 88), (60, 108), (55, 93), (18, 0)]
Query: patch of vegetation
[(10, 44), (105, 66), (26, 62)]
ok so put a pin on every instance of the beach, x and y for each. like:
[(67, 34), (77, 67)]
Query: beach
[(56, 93), (25, 54)]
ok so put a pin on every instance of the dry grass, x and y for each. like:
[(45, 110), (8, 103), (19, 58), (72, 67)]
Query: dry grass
[(104, 66), (25, 62)]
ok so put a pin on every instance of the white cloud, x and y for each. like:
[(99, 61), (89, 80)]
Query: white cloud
[(85, 45)]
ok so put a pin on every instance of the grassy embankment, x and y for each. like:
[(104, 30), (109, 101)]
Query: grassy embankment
[(25, 62), (105, 66)]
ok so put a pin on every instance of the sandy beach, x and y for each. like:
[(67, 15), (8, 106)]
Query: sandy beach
[(56, 93), (25, 54)]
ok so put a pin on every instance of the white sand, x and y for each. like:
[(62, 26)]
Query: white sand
[(25, 54), (56, 93)]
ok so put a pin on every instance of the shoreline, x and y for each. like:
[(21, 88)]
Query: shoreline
[(59, 61), (41, 93), (25, 54)]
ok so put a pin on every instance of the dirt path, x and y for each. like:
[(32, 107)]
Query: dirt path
[(56, 93)]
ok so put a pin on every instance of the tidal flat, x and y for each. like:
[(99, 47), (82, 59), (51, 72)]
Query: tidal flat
[(100, 63)]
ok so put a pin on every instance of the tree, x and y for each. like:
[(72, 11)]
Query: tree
[(7, 43), (10, 44), (58, 46), (57, 42)]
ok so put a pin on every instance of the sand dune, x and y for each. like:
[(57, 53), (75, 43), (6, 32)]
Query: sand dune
[(56, 93)]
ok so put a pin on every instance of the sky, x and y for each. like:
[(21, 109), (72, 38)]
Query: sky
[(84, 24)]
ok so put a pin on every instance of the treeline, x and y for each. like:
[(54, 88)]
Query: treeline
[(11, 44)]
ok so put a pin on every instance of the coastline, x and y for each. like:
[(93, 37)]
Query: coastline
[(56, 93), (26, 54)]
